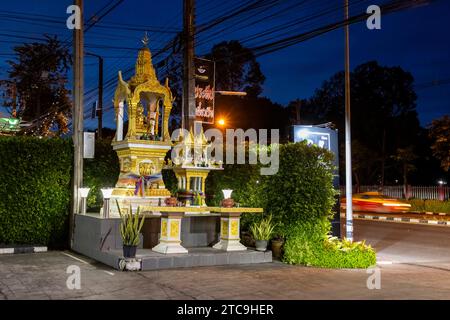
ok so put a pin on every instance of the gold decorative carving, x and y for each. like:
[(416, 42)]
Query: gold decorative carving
[(234, 227), (164, 228), (174, 229)]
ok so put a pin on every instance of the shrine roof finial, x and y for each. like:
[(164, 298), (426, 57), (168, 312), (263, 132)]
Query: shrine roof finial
[(145, 40)]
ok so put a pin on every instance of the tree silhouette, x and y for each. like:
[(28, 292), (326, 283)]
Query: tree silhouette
[(40, 75), (439, 132), (383, 112), (236, 68)]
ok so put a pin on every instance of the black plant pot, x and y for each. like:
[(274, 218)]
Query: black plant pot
[(129, 251)]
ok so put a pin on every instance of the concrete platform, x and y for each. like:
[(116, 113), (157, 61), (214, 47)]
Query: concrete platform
[(100, 240), (196, 257)]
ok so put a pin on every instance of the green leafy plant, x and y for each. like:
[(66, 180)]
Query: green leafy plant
[(35, 190), (310, 245), (130, 226), (262, 230)]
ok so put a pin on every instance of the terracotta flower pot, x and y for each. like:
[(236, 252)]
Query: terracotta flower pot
[(228, 203), (171, 202)]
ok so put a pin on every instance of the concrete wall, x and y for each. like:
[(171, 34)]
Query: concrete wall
[(94, 234), (199, 231), (195, 231)]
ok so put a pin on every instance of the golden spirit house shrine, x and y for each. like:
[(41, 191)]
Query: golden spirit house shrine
[(181, 236)]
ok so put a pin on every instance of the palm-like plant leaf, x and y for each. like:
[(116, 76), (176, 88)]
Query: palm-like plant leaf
[(130, 226)]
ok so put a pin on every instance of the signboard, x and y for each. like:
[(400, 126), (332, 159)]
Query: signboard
[(204, 90), (321, 137), (89, 145), (328, 139)]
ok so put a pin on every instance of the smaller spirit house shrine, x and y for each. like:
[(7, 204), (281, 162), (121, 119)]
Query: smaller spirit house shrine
[(193, 164)]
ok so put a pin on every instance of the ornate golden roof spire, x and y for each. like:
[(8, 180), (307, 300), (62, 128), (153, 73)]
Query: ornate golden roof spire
[(144, 66)]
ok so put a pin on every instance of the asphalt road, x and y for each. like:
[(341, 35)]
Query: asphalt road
[(424, 245)]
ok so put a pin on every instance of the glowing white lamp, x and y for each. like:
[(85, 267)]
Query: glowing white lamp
[(107, 193), (84, 192), (227, 193)]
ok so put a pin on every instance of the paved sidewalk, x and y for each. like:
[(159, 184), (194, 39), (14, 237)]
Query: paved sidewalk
[(43, 276)]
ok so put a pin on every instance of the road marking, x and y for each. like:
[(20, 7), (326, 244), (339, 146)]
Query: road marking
[(110, 273), (384, 262), (73, 257)]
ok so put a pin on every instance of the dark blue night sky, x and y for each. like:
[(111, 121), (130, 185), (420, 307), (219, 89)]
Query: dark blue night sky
[(415, 39)]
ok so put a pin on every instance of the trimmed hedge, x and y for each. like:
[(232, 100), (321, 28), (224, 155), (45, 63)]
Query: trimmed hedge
[(35, 187), (435, 206), (35, 179)]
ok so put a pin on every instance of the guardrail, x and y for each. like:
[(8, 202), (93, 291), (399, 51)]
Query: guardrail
[(400, 192)]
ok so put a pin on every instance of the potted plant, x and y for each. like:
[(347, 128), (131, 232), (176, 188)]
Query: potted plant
[(262, 232), (130, 228), (276, 246)]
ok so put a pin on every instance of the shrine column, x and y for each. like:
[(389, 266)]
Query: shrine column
[(119, 133), (132, 120)]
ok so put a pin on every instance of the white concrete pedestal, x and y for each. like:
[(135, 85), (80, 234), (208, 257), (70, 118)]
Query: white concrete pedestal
[(229, 233), (170, 239)]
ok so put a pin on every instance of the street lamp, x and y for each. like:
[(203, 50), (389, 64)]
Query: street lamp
[(221, 122), (84, 192), (107, 193)]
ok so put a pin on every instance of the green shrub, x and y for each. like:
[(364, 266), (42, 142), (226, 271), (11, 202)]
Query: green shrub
[(100, 172), (309, 244), (170, 181), (302, 190), (35, 184), (435, 206)]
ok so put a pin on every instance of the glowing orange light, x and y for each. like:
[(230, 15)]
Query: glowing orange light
[(221, 122)]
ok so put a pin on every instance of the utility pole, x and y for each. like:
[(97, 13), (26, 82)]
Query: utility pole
[(100, 93), (348, 138), (78, 91), (188, 70)]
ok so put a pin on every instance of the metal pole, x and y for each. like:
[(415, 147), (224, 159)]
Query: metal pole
[(83, 205), (188, 74), (78, 88), (106, 208), (348, 139), (100, 97)]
